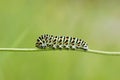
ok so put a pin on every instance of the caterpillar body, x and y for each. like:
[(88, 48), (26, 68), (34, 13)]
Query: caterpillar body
[(60, 42)]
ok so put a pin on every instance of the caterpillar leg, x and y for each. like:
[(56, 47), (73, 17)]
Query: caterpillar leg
[(54, 46), (60, 46), (74, 47), (44, 46), (67, 47)]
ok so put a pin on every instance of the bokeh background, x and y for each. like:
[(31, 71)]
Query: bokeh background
[(96, 21)]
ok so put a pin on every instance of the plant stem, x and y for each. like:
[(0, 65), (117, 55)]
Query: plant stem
[(19, 49), (36, 49), (103, 52)]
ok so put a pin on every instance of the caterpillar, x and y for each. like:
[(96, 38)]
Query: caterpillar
[(60, 42)]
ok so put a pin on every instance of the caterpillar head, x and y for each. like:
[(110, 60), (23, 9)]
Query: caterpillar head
[(85, 47)]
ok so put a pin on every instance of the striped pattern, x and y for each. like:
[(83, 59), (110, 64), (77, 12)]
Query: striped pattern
[(67, 42)]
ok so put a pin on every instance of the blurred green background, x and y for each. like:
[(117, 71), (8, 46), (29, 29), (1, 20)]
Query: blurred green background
[(96, 21)]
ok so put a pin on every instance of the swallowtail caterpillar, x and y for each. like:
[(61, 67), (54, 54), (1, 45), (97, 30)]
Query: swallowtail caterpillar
[(60, 42)]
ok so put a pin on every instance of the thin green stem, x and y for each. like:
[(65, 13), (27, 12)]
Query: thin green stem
[(103, 52), (36, 49), (19, 49)]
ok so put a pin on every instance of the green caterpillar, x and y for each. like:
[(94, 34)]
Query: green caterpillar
[(67, 42)]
